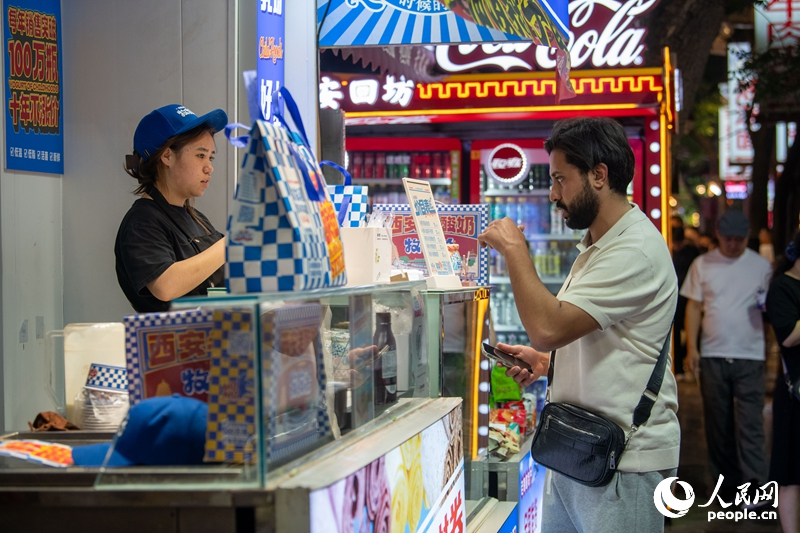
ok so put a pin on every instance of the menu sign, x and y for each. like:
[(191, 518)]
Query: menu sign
[(34, 128), (429, 227)]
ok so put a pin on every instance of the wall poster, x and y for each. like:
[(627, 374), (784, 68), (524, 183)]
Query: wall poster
[(33, 90)]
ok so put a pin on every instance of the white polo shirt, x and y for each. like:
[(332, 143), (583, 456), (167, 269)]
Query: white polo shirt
[(727, 287), (627, 283)]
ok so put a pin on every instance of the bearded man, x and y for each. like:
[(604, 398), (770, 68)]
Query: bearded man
[(607, 323)]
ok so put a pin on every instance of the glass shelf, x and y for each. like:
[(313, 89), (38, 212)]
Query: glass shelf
[(554, 237), (547, 280), (396, 181), (264, 297), (516, 192)]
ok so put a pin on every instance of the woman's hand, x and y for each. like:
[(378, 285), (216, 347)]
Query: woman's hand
[(539, 362)]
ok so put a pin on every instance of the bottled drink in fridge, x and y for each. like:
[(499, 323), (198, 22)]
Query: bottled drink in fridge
[(369, 165), (499, 307), (380, 165), (554, 255), (556, 220), (358, 165), (499, 209), (540, 260), (405, 165), (385, 370), (512, 211)]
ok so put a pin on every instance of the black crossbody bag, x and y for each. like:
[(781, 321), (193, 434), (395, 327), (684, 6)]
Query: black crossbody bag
[(583, 445)]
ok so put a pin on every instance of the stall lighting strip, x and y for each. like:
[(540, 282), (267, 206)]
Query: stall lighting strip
[(481, 110), (482, 305), (501, 89)]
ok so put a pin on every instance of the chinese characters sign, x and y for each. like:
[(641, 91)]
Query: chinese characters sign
[(270, 72), (395, 92), (34, 127), (777, 24), (169, 354), (461, 225)]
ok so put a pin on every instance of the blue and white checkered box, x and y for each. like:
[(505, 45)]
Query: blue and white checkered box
[(358, 207), (276, 235), (107, 378)]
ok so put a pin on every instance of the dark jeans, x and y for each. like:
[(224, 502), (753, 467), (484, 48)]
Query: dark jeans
[(733, 404)]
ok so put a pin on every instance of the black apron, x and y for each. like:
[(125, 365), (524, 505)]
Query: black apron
[(200, 242)]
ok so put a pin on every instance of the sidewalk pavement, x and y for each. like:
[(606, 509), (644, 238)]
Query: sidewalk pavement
[(694, 470)]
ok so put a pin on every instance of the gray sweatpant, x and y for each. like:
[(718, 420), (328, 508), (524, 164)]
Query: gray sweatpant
[(624, 505)]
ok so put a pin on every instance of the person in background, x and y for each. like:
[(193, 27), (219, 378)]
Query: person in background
[(765, 248), (683, 253), (783, 310), (706, 243), (608, 324), (726, 288), (691, 235), (165, 248)]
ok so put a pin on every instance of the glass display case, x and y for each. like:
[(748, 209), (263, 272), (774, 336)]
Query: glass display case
[(292, 372)]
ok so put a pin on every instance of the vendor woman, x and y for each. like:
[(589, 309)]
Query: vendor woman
[(166, 248)]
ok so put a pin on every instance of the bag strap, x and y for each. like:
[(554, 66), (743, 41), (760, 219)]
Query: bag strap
[(348, 180), (342, 214), (642, 411)]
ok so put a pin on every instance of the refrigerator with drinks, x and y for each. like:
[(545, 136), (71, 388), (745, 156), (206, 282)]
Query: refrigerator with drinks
[(511, 176), (382, 162)]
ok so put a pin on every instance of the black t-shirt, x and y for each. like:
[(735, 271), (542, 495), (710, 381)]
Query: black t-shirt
[(149, 241), (682, 259), (783, 308)]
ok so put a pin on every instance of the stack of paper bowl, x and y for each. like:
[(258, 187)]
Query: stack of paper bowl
[(103, 403)]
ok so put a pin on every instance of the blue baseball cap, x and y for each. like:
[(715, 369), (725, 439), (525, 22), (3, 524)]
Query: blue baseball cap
[(165, 122), (165, 430)]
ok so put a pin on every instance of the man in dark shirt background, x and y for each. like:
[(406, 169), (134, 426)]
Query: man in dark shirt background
[(683, 253)]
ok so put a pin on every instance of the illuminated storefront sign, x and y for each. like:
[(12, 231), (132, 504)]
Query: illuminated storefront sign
[(404, 103), (508, 164), (736, 190), (777, 24), (34, 113), (604, 33), (270, 70)]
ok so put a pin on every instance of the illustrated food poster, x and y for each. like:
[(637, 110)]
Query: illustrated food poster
[(461, 225), (416, 487), (168, 353)]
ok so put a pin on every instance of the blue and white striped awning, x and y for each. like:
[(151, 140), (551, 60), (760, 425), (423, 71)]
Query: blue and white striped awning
[(393, 22)]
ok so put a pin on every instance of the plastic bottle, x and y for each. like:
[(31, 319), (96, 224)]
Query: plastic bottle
[(554, 255), (539, 260), (499, 307), (499, 208), (531, 221), (523, 213), (385, 370), (512, 209), (555, 220), (544, 215)]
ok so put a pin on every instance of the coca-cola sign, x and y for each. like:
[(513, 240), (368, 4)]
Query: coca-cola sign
[(603, 33), (508, 164)]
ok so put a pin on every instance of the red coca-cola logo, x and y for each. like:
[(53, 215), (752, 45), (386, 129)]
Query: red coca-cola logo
[(508, 164)]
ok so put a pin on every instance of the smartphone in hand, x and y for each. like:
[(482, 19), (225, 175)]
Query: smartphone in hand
[(506, 359)]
